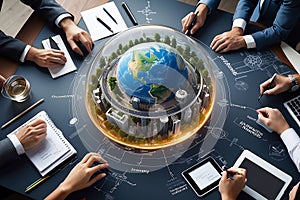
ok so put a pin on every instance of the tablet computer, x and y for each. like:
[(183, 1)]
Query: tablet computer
[(204, 176), (264, 181)]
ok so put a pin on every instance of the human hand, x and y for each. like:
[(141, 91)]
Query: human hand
[(32, 134), (230, 188), (201, 17), (228, 41), (46, 57), (81, 175), (280, 84), (273, 119), (75, 34)]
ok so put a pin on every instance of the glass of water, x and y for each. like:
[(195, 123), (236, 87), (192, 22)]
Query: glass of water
[(16, 88)]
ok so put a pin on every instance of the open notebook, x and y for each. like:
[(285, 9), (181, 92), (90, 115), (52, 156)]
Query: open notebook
[(54, 150)]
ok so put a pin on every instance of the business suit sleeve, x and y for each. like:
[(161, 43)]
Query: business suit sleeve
[(244, 9), (286, 21), (48, 9), (11, 47), (212, 4), (7, 152)]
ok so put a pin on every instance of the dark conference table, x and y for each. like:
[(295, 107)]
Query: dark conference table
[(150, 175)]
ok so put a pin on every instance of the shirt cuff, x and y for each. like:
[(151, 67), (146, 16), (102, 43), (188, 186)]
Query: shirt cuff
[(24, 53), (17, 144), (241, 23), (249, 41), (290, 138), (61, 17)]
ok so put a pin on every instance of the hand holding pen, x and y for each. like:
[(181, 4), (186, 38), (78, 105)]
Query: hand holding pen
[(231, 187), (279, 84), (188, 30)]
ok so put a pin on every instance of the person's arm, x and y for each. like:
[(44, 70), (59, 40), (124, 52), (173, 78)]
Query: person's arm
[(26, 138), (80, 177), (275, 120), (292, 142), (285, 21), (231, 188), (204, 7), (281, 84)]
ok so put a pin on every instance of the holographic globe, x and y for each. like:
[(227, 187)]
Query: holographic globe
[(150, 87)]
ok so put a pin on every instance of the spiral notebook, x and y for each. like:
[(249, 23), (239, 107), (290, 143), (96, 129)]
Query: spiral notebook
[(54, 150)]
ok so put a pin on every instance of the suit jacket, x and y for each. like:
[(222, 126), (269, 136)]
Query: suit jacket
[(7, 152), (48, 9), (212, 4), (282, 17)]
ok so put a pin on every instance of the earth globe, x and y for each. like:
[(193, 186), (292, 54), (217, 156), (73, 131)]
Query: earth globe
[(150, 87)]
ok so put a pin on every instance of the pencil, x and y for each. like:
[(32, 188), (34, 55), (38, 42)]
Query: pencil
[(36, 183), (22, 113)]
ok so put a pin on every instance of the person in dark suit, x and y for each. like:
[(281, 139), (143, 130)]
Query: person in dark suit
[(26, 138), (204, 7), (281, 17), (54, 14)]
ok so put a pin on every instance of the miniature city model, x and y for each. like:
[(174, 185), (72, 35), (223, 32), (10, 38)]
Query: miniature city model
[(145, 92)]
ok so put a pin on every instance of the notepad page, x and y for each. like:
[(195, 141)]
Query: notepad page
[(50, 152)]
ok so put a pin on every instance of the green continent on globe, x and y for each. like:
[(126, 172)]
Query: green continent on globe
[(159, 92), (141, 63)]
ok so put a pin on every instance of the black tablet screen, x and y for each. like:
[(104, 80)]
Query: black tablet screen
[(262, 181)]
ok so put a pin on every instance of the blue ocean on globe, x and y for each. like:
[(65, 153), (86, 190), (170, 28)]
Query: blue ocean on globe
[(152, 72)]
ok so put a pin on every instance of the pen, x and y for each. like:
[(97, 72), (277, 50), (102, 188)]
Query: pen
[(104, 24), (229, 174), (22, 113), (129, 13), (187, 32), (110, 15), (268, 87), (53, 44), (36, 183)]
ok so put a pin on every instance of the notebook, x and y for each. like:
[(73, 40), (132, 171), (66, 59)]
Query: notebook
[(54, 150), (293, 107)]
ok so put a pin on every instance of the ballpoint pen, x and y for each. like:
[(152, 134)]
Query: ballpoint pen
[(129, 13), (104, 24), (187, 32), (268, 87), (110, 16)]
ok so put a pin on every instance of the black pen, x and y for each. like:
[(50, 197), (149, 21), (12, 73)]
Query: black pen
[(229, 174), (110, 15), (104, 24), (268, 87), (187, 32), (129, 13)]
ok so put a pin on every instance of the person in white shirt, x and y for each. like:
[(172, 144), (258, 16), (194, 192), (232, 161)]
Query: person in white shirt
[(26, 138)]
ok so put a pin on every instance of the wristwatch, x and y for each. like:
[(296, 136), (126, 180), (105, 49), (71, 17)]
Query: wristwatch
[(294, 83)]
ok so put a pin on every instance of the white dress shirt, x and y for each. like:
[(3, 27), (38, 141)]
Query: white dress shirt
[(241, 23), (292, 142)]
